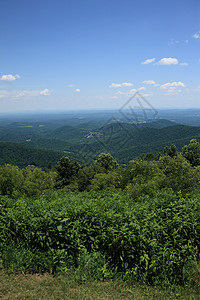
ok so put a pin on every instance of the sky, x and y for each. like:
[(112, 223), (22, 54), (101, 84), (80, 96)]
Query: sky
[(96, 54)]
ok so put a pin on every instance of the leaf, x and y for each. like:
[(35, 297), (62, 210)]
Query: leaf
[(59, 227)]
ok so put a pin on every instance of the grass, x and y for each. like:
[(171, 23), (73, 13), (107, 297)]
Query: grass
[(47, 286)]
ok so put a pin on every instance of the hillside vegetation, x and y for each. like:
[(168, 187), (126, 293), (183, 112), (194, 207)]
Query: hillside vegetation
[(20, 155), (84, 141), (100, 222)]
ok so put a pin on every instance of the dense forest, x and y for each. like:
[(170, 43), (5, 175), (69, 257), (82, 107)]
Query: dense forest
[(139, 222), (40, 142)]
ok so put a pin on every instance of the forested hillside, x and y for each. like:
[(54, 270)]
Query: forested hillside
[(20, 155), (88, 138), (138, 223)]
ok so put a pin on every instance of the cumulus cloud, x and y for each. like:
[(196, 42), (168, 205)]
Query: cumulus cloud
[(77, 90), (196, 35), (45, 92), (132, 91), (148, 61), (126, 84), (172, 88), (149, 82), (9, 77), (117, 85), (174, 84), (168, 61)]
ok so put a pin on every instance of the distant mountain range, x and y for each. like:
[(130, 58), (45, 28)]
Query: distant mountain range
[(25, 143)]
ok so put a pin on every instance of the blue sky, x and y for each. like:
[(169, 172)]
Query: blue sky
[(95, 54)]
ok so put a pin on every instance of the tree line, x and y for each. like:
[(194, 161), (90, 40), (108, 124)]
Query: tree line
[(179, 171)]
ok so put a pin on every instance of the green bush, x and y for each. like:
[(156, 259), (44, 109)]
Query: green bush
[(150, 239)]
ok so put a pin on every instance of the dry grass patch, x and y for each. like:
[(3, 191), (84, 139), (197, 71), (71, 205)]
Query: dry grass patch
[(36, 286)]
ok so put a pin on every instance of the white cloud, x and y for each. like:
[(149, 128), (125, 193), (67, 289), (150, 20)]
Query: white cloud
[(168, 61), (77, 90), (186, 41), (120, 93), (172, 88), (9, 77), (196, 35), (126, 84), (172, 85), (149, 82), (117, 85), (184, 64), (132, 91), (45, 92), (23, 93), (148, 61)]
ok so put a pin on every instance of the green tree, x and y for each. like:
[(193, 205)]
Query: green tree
[(85, 176), (192, 152), (179, 175), (171, 151), (67, 170), (11, 179), (104, 163), (148, 156), (106, 181), (36, 181), (142, 177)]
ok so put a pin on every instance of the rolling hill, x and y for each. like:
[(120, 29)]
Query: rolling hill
[(23, 143), (20, 155)]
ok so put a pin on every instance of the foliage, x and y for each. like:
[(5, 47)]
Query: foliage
[(22, 156), (85, 175), (178, 174), (153, 240), (171, 151), (102, 181), (138, 223), (30, 181), (192, 152), (104, 163), (11, 178), (67, 170)]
